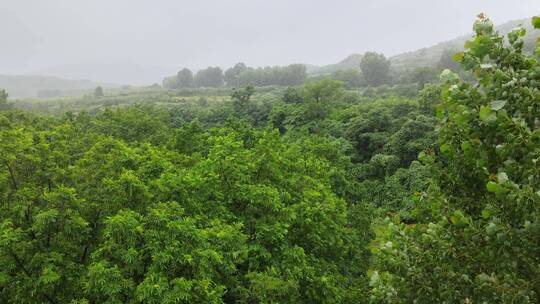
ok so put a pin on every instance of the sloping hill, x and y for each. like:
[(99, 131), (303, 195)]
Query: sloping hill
[(351, 62), (428, 56), (26, 86)]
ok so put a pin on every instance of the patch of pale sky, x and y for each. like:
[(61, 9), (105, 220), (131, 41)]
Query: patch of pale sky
[(139, 41)]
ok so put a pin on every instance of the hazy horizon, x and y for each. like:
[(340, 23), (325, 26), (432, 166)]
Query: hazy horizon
[(139, 42)]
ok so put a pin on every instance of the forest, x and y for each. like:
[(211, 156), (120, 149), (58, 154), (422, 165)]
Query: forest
[(267, 185)]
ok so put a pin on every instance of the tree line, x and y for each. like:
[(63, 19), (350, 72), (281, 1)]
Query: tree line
[(374, 70), (238, 76)]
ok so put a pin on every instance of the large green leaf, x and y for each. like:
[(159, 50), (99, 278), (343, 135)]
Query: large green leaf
[(494, 187), (459, 219), (536, 22), (486, 114), (458, 56), (498, 104)]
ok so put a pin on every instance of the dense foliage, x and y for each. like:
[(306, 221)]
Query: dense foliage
[(247, 200), (314, 193), (481, 244), (93, 210)]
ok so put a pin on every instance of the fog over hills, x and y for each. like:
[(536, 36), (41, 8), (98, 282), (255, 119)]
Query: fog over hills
[(428, 56), (74, 84), (29, 86), (140, 42), (155, 41), (118, 72)]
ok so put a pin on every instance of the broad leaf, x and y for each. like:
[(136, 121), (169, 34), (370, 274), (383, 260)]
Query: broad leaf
[(494, 187), (486, 114), (458, 56), (498, 104)]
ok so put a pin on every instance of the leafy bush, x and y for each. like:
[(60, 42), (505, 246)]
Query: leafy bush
[(482, 243)]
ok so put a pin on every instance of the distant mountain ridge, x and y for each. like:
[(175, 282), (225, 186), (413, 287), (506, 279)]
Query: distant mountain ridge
[(31, 86), (428, 56), (351, 62)]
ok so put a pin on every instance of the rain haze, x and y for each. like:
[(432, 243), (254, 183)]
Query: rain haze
[(269, 151), (139, 42)]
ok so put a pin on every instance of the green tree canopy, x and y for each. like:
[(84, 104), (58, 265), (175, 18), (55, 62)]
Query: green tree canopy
[(482, 242), (375, 68), (94, 209), (184, 78), (209, 77)]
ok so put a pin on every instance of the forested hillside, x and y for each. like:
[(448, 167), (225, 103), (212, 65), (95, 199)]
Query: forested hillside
[(433, 55), (264, 185), (429, 56), (371, 69)]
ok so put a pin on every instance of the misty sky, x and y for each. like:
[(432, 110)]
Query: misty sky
[(140, 41)]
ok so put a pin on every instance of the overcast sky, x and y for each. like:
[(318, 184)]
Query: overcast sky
[(139, 41)]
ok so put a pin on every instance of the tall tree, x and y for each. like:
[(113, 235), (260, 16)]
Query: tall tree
[(4, 100), (241, 100), (184, 78), (98, 92), (375, 68), (320, 97), (209, 77), (296, 74), (232, 75), (482, 244)]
